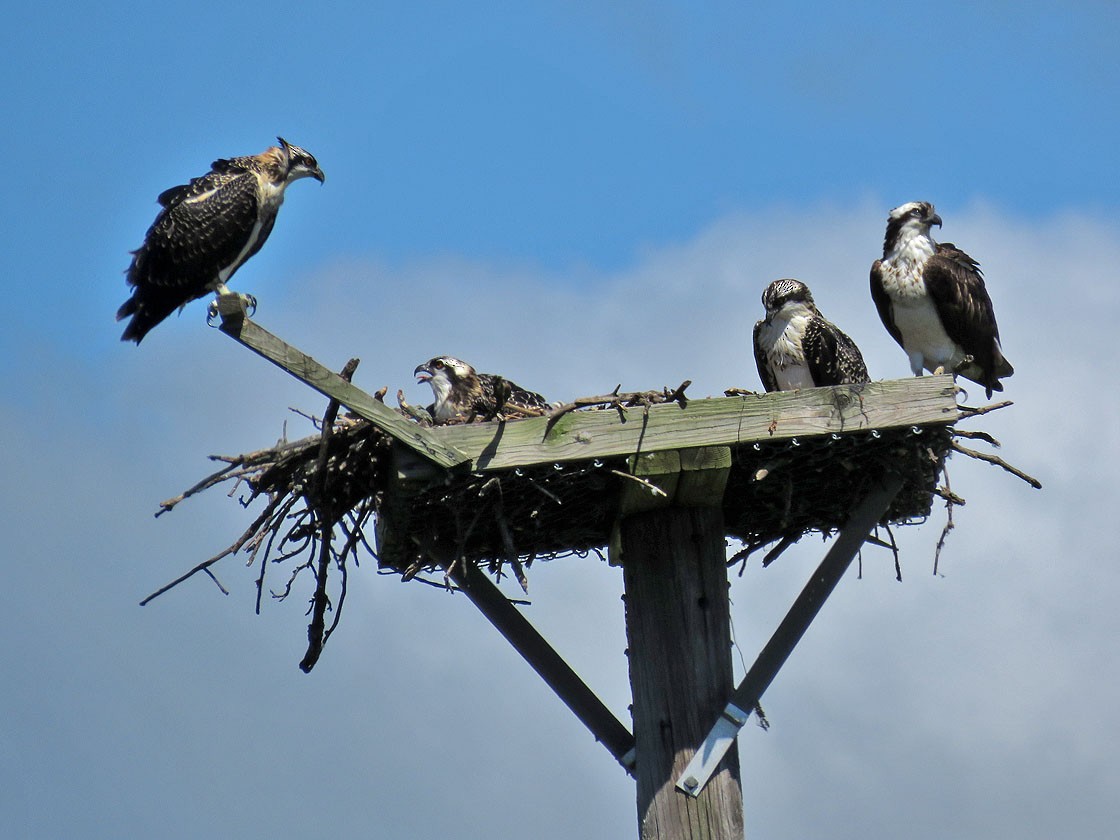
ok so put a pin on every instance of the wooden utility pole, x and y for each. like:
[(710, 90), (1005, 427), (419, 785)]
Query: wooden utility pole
[(678, 628)]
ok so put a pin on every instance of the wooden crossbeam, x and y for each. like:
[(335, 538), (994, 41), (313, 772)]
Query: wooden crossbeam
[(586, 435), (238, 326), (718, 421)]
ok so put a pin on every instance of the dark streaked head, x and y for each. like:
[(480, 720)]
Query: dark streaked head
[(444, 367), (783, 292), (298, 163), (455, 385)]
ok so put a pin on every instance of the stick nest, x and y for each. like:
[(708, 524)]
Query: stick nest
[(321, 495)]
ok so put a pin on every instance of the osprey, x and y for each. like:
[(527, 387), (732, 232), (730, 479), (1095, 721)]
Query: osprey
[(795, 347), (932, 300), (462, 394), (206, 230)]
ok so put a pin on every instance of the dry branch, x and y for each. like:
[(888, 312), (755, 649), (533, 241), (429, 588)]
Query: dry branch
[(999, 462), (327, 517), (967, 411), (622, 401)]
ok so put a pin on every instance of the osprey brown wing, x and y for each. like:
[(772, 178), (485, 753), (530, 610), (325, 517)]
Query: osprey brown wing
[(883, 302), (832, 357), (956, 285), (760, 360), (201, 230)]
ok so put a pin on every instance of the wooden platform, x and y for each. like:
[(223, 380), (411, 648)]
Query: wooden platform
[(778, 464)]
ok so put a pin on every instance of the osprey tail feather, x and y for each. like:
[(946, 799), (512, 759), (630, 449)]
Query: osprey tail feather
[(145, 312)]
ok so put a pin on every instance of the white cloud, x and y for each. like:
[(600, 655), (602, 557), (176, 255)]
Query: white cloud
[(964, 699)]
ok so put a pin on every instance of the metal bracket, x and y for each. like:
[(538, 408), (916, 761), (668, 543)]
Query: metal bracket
[(711, 752), (719, 740)]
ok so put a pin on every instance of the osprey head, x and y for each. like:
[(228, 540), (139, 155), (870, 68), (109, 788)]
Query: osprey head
[(444, 373), (453, 381), (914, 218), (916, 212), (296, 163), (783, 293)]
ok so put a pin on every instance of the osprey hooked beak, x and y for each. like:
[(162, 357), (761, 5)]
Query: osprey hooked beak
[(423, 373), (935, 220)]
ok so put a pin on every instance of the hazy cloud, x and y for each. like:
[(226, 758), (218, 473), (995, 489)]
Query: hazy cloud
[(950, 706)]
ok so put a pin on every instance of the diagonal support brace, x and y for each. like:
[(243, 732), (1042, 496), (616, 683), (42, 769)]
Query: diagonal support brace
[(543, 658), (750, 690)]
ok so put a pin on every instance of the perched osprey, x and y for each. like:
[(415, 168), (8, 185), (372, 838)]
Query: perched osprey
[(462, 394), (932, 300), (795, 347), (206, 230)]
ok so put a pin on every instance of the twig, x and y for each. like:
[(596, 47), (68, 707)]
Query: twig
[(307, 416), (894, 550), (206, 483), (201, 567), (546, 492), (948, 523), (777, 551), (413, 412), (435, 584), (326, 515), (949, 496), (874, 540), (237, 466), (678, 395), (999, 462), (968, 411), (974, 435), (652, 488), (210, 574), (272, 532), (233, 549), (621, 401)]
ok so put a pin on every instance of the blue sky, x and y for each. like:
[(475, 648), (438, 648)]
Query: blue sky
[(576, 194)]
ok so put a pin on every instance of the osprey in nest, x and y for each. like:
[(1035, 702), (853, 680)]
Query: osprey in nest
[(462, 394), (206, 230), (795, 347), (932, 300)]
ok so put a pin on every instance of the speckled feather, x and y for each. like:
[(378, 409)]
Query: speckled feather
[(206, 230), (794, 335), (462, 394)]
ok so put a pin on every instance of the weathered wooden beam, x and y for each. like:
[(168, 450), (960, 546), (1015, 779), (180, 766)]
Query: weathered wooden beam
[(672, 478), (674, 565), (324, 380), (704, 473), (751, 688), (719, 421), (540, 655), (586, 435)]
